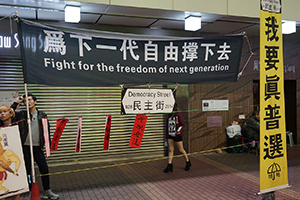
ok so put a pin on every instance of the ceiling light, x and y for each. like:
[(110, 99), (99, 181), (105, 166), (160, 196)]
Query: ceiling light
[(72, 14), (192, 23), (288, 27)]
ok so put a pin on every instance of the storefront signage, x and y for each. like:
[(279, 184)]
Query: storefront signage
[(9, 39)]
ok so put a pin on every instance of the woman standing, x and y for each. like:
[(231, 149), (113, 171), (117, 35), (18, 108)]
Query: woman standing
[(174, 133)]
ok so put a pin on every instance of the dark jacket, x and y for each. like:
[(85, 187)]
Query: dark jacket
[(179, 121), (252, 128), (1, 123), (24, 124)]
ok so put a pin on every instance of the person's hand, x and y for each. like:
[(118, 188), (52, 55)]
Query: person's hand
[(20, 99), (178, 133)]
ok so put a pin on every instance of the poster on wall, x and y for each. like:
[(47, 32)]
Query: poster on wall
[(8, 97), (12, 166), (215, 105), (214, 121)]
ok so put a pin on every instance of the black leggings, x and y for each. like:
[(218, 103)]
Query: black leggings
[(40, 160)]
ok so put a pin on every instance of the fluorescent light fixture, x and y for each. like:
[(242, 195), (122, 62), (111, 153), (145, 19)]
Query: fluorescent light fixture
[(288, 27), (192, 23), (72, 14)]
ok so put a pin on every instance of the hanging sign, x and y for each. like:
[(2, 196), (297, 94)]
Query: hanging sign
[(78, 139), (46, 136), (60, 125), (75, 58), (273, 153), (138, 130), (107, 133), (148, 101)]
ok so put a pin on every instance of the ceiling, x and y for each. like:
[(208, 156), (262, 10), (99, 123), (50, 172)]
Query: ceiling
[(111, 15)]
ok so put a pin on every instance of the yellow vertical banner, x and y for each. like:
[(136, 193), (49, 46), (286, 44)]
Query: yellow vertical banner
[(273, 153)]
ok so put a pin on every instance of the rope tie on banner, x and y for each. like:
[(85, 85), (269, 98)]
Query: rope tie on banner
[(177, 85), (122, 86), (148, 85), (142, 161), (251, 54), (10, 23), (12, 123)]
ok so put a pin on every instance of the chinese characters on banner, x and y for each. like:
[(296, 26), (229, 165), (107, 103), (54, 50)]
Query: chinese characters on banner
[(46, 136), (138, 131), (273, 158), (60, 125), (78, 139), (91, 59), (107, 133), (137, 101)]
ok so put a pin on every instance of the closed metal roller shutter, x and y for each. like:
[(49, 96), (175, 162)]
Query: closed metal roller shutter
[(11, 75), (93, 104)]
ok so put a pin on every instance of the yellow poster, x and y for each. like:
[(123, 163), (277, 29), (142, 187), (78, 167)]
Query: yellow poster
[(273, 154)]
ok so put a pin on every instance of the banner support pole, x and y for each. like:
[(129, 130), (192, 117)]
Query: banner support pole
[(30, 134)]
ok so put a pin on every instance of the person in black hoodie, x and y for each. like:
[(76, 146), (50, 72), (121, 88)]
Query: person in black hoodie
[(38, 142), (252, 128), (174, 133)]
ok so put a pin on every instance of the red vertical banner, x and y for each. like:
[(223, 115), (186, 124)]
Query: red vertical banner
[(107, 133), (60, 125), (46, 136), (78, 139), (138, 131)]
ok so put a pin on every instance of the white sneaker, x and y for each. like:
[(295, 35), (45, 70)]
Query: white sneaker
[(50, 195)]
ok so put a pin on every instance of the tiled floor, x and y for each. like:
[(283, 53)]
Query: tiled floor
[(212, 176)]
